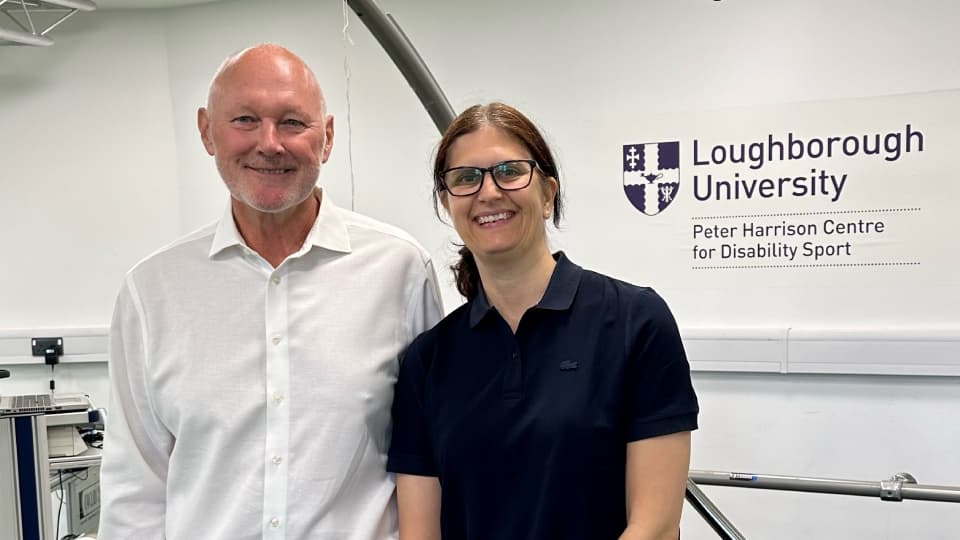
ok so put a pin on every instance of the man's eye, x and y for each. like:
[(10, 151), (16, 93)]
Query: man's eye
[(244, 119), (291, 122)]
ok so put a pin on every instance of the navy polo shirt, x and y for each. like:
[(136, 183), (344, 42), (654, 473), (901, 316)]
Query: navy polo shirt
[(527, 432)]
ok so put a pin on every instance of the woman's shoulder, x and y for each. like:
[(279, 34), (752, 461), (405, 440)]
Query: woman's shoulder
[(449, 327), (596, 281), (631, 302)]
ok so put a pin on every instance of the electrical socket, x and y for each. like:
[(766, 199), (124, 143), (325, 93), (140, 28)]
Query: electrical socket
[(42, 345)]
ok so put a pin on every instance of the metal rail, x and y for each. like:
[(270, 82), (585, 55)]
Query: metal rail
[(711, 514), (900, 486)]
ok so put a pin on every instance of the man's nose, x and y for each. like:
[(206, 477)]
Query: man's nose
[(269, 139)]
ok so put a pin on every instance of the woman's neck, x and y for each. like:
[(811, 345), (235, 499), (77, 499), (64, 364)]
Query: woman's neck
[(515, 285)]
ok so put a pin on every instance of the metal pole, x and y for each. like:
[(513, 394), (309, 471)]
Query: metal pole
[(931, 493), (24, 38), (408, 61), (901, 486), (60, 20), (711, 514)]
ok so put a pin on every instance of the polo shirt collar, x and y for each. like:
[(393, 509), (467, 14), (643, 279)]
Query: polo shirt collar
[(328, 231), (562, 288)]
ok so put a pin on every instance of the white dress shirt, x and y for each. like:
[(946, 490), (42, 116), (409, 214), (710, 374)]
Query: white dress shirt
[(254, 402)]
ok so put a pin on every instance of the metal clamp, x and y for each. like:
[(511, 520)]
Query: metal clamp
[(892, 489)]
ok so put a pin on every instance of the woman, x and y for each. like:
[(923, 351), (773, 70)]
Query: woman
[(556, 403)]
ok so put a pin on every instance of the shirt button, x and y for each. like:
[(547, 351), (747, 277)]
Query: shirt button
[(275, 280), (277, 398), (275, 523), (277, 460), (276, 339)]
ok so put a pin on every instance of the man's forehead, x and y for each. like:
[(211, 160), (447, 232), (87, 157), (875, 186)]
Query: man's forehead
[(264, 55), (268, 101), (272, 73), (266, 71)]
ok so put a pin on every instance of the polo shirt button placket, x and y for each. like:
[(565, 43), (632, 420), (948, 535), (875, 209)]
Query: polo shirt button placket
[(513, 378)]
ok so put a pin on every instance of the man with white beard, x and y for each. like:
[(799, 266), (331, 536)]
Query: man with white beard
[(252, 362)]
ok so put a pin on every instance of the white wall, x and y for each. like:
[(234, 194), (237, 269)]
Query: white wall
[(101, 165), (88, 160), (87, 179)]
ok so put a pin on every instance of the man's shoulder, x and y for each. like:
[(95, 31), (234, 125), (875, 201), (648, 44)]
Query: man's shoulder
[(363, 228), (185, 248)]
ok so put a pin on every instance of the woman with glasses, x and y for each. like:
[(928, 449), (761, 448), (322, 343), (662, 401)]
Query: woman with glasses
[(556, 403)]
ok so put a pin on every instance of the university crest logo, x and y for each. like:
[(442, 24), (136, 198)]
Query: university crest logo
[(651, 175)]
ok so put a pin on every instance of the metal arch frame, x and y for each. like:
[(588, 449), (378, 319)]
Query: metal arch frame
[(396, 44)]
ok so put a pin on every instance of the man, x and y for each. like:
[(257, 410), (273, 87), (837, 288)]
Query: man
[(252, 362)]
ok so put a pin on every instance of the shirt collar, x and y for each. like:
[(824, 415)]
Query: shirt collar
[(328, 231), (562, 288)]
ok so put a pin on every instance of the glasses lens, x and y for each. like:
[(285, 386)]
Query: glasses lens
[(512, 174), (463, 180)]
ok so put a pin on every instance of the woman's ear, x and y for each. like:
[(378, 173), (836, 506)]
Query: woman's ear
[(550, 189)]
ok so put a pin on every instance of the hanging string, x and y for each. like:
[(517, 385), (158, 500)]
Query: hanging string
[(348, 42)]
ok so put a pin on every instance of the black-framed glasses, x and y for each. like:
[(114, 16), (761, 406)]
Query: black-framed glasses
[(509, 175)]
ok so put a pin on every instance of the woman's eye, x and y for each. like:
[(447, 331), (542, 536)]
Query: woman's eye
[(467, 177)]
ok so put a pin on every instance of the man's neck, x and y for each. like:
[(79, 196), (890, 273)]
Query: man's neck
[(275, 236)]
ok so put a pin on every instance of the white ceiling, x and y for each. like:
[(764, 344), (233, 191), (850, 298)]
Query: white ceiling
[(140, 4)]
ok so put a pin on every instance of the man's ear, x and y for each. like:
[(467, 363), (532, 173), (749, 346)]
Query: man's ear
[(203, 125), (328, 138)]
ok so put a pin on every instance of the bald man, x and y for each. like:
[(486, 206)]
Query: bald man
[(252, 362)]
